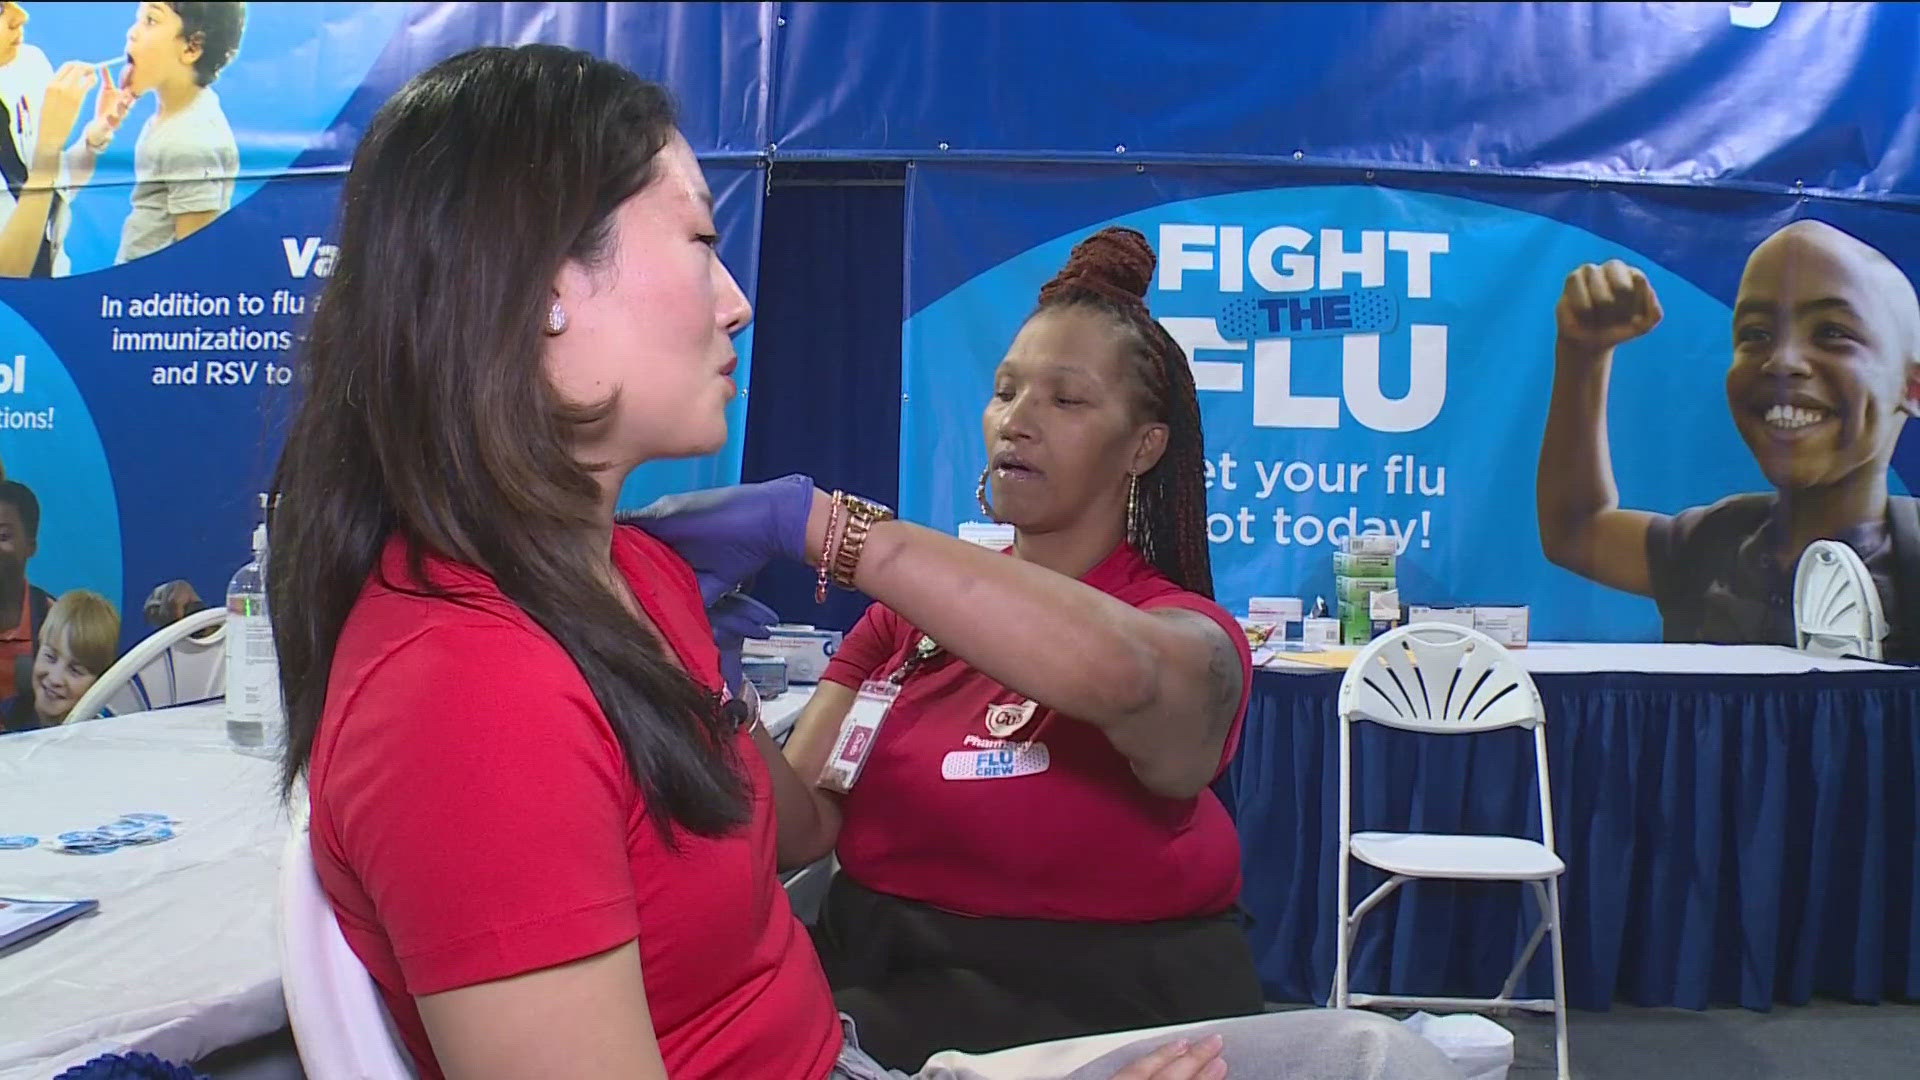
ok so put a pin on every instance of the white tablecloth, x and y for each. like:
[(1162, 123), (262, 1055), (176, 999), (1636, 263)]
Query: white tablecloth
[(1572, 657), (181, 959), (1566, 657)]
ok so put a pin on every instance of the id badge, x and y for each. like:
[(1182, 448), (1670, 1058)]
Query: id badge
[(857, 734)]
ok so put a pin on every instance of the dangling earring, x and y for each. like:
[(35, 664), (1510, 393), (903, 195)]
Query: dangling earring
[(556, 319), (980, 495), (1133, 509)]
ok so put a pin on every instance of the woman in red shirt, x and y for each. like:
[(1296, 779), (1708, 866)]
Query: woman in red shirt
[(542, 824), (1016, 866)]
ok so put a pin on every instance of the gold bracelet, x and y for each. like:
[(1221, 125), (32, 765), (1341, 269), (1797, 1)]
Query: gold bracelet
[(862, 516)]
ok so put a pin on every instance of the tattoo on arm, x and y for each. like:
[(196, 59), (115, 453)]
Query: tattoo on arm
[(1224, 683), (1220, 698)]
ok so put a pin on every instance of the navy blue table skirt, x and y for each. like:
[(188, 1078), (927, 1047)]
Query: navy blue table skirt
[(1729, 840)]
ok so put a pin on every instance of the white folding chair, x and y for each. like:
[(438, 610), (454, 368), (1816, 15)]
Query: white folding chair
[(1836, 606), (1442, 679), (172, 666), (340, 1026)]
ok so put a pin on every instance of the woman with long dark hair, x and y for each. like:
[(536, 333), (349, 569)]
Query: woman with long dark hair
[(536, 811)]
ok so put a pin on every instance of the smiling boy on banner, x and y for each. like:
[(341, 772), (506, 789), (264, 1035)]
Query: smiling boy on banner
[(1825, 373)]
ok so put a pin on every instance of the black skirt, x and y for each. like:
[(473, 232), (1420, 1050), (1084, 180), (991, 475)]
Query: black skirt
[(918, 980)]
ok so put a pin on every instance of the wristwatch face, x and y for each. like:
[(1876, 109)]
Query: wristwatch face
[(869, 508)]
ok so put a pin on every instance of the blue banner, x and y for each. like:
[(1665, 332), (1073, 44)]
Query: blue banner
[(1768, 96), (147, 377), (1369, 359)]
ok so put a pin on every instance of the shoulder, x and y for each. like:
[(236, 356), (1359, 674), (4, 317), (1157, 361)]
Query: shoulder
[(1733, 518), (30, 71)]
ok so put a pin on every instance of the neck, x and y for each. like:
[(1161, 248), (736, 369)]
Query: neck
[(10, 594), (1072, 551), (177, 94), (1816, 513)]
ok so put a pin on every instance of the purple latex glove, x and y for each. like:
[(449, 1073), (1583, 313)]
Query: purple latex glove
[(735, 618), (727, 534)]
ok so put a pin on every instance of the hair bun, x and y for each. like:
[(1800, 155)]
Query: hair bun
[(1116, 262)]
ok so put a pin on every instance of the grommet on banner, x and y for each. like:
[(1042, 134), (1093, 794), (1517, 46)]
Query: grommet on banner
[(944, 146), (1139, 168), (1121, 149), (1299, 154), (1473, 163)]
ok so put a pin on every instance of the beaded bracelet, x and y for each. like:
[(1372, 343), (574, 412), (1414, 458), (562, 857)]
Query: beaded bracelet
[(828, 549)]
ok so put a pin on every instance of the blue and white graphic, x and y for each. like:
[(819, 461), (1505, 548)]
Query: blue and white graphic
[(1419, 418)]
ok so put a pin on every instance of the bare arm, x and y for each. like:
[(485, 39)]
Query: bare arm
[(24, 229), (1582, 526), (585, 1019), (185, 225), (807, 818), (1151, 681)]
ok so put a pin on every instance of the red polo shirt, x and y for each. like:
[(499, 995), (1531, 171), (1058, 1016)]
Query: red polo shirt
[(946, 814), (473, 819)]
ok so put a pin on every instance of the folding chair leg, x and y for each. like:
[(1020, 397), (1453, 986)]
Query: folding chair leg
[(1533, 943), (1564, 1070), (1342, 942)]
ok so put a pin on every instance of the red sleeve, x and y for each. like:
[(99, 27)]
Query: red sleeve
[(477, 792), (867, 647), (1190, 601)]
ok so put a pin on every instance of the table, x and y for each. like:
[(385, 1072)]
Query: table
[(1738, 824), (181, 959)]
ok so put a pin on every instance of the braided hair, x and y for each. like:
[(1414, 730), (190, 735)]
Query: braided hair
[(1109, 272)]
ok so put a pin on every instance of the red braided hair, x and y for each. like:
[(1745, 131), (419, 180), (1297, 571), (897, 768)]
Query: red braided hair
[(1110, 272)]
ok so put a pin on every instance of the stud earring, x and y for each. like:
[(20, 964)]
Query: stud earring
[(556, 319), (980, 495)]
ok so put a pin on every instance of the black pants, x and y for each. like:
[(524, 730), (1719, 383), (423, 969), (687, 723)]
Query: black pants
[(917, 980)]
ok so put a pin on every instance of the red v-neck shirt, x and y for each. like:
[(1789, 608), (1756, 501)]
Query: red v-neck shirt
[(474, 819), (947, 814)]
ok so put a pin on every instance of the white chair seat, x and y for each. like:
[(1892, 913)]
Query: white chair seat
[(1463, 858)]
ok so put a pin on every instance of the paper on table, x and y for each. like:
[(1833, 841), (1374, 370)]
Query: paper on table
[(1336, 659)]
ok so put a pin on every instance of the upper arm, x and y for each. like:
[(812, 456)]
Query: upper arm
[(488, 832), (587, 1018), (1610, 547), (185, 225), (1215, 676)]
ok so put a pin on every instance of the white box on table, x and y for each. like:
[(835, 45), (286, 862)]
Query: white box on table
[(806, 650), (1504, 624), (1452, 616)]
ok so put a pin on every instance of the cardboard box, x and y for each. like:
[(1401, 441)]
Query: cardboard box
[(986, 534), (1370, 565), (1506, 625), (1359, 588), (805, 649), (1320, 633), (1275, 610), (1369, 544), (1452, 616)]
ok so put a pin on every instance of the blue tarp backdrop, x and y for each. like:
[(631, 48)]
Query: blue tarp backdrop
[(1530, 137)]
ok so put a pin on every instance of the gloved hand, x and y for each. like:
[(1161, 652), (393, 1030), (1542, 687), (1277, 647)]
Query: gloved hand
[(727, 534), (735, 618)]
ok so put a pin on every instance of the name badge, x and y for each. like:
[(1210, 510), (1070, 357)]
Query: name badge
[(857, 734)]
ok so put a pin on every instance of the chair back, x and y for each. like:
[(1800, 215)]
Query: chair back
[(339, 1024), (1439, 679), (1836, 606), (178, 664)]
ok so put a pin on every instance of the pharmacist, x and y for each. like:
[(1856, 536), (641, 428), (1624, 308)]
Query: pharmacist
[(1013, 872)]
